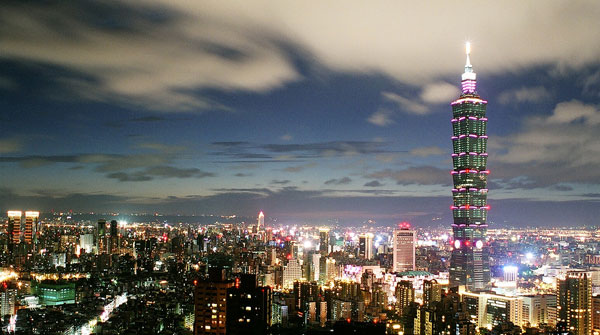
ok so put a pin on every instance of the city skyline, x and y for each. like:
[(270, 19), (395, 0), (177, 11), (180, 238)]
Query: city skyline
[(215, 109)]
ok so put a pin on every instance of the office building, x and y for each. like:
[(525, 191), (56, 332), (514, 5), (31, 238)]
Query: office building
[(405, 295), (469, 264), (14, 228), (291, 272), (575, 302), (31, 223), (210, 303), (324, 241), (101, 237), (114, 237), (404, 241), (248, 306), (365, 246)]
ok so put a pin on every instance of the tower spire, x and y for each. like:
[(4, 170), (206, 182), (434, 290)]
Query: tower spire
[(469, 77), (468, 66)]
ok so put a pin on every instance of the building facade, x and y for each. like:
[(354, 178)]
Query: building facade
[(404, 241), (470, 257)]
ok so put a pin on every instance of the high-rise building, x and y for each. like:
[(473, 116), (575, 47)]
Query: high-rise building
[(324, 241), (469, 264), (575, 302), (291, 273), (404, 241), (86, 242), (260, 221), (365, 246), (31, 223), (405, 295), (14, 228), (101, 236), (210, 304), (248, 307), (8, 298), (432, 292), (114, 237)]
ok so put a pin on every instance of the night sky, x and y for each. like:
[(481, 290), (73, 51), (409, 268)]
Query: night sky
[(308, 110)]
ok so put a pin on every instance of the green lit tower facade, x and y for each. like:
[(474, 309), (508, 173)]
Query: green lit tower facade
[(469, 265)]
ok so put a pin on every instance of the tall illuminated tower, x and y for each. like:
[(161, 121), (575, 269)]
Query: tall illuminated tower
[(469, 265), (14, 228), (31, 223), (261, 221)]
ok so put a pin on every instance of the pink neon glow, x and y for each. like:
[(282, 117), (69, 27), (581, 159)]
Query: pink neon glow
[(462, 118), (454, 155), (453, 207), (483, 119), (473, 153), (462, 154), (454, 120), (484, 190), (472, 189), (483, 154), (472, 118), (472, 100), (483, 136), (485, 171), (462, 189), (454, 190), (453, 172), (473, 135), (454, 137), (462, 136)]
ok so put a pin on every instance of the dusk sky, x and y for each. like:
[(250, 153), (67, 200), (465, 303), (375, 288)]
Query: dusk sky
[(308, 110)]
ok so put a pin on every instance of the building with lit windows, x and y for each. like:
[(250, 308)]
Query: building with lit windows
[(56, 293), (291, 273), (31, 223), (575, 302), (101, 237), (248, 307), (404, 241), (365, 246), (324, 241), (469, 264), (210, 304), (14, 228)]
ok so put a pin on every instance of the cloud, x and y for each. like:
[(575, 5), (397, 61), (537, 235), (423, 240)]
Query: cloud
[(10, 145), (437, 93), (412, 106), (160, 147), (298, 168), (381, 118), (374, 183), (560, 148), (333, 148), (341, 181), (242, 175), (524, 94), (163, 54), (209, 52), (422, 175), (280, 182), (286, 137), (161, 172), (427, 151)]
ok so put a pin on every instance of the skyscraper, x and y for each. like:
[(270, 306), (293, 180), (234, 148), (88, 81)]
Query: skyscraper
[(114, 237), (210, 303), (365, 246), (575, 302), (261, 221), (101, 237), (248, 307), (469, 264), (31, 222), (324, 241), (14, 228), (404, 241)]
